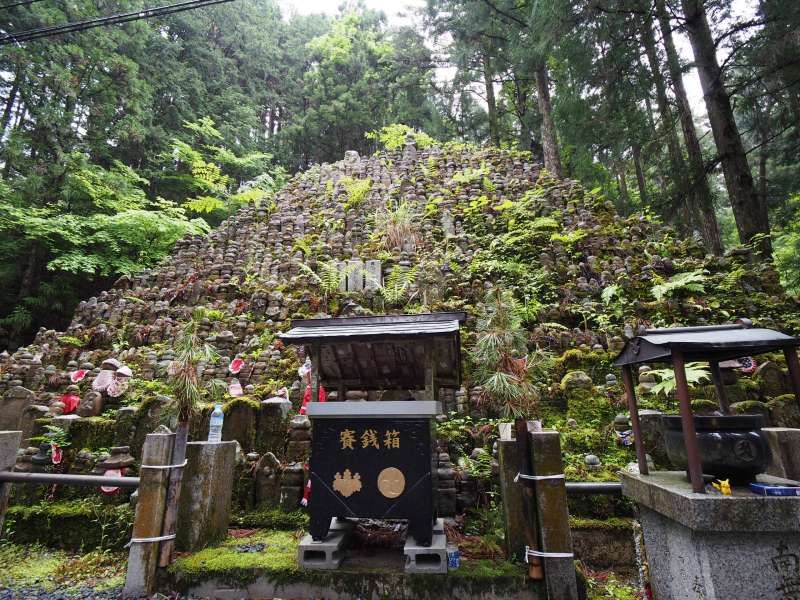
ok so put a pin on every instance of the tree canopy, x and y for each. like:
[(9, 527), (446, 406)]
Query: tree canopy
[(117, 141)]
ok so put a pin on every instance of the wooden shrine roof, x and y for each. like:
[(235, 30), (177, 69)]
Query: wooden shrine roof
[(715, 342), (383, 352)]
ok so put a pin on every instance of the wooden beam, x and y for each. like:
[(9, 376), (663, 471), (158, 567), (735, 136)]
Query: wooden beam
[(356, 365), (335, 362), (716, 376), (431, 383), (638, 441), (794, 371), (687, 421), (316, 355)]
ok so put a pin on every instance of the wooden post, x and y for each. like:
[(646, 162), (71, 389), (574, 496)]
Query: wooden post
[(431, 385), (716, 376), (687, 421), (638, 440), (143, 557), (529, 498), (174, 492), (9, 442), (794, 371), (553, 516), (513, 500), (315, 353)]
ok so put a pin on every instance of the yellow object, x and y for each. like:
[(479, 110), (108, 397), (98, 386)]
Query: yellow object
[(347, 484), (724, 486), (391, 482)]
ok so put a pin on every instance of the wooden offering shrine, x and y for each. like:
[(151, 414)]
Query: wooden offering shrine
[(377, 458)]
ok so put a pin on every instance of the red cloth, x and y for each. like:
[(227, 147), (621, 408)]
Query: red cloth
[(71, 402), (323, 396), (57, 454)]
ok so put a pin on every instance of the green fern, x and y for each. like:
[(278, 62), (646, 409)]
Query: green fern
[(329, 276), (396, 285), (18, 320), (691, 281), (695, 373), (610, 292)]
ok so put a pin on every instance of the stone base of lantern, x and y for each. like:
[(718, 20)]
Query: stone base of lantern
[(716, 547)]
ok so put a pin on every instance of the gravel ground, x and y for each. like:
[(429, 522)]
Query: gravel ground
[(32, 593), (40, 594)]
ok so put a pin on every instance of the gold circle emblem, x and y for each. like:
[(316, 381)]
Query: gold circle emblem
[(391, 482)]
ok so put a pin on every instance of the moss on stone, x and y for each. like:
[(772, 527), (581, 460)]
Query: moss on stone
[(612, 523), (92, 433), (595, 363), (749, 407), (703, 406), (273, 518), (70, 525), (252, 403)]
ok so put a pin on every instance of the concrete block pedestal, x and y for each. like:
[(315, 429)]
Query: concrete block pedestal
[(715, 547), (329, 553), (426, 559)]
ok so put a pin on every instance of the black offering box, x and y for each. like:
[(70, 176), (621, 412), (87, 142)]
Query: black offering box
[(373, 460)]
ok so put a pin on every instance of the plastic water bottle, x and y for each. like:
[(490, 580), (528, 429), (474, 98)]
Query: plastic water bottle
[(215, 430)]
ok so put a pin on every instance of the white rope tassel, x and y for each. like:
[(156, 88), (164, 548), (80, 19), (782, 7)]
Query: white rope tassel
[(180, 466), (537, 553), (161, 538)]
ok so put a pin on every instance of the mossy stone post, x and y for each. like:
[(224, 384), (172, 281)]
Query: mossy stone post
[(553, 516), (512, 500), (9, 442), (205, 502), (140, 580)]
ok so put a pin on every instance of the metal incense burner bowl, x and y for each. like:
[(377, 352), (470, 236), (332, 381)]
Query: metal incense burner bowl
[(373, 460), (731, 447)]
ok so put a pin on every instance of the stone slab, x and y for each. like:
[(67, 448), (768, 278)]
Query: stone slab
[(670, 494), (426, 559), (366, 585), (372, 275), (714, 547), (784, 443), (355, 275), (205, 502), (328, 554), (9, 442), (685, 563)]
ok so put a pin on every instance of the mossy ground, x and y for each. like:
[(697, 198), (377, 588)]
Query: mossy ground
[(37, 566), (606, 585), (227, 563), (277, 561)]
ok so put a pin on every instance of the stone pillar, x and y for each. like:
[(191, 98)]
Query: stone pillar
[(553, 516), (716, 547), (205, 502), (140, 579), (512, 500), (9, 442), (785, 446)]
